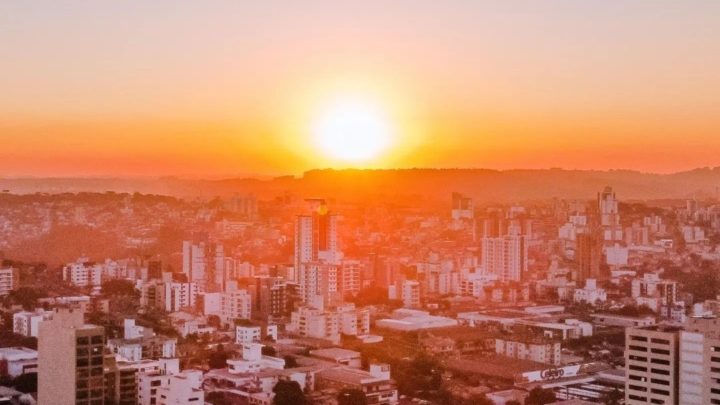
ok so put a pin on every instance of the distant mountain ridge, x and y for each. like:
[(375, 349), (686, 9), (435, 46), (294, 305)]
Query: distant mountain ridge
[(484, 185)]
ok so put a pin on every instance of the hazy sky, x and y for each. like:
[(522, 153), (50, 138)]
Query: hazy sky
[(225, 87)]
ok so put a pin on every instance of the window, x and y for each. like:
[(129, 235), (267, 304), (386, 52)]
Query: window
[(660, 341), (659, 381), (638, 348), (661, 392), (659, 361), (660, 351), (639, 338), (660, 371)]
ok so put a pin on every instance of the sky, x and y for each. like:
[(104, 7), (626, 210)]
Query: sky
[(226, 88)]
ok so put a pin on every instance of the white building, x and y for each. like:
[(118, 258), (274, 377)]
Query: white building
[(591, 294), (255, 333), (616, 255), (182, 388), (539, 350), (410, 294), (235, 305), (505, 256), (194, 261), (330, 324), (700, 362), (19, 360), (411, 320), (27, 323), (150, 380), (83, 273), (176, 296), (609, 216), (8, 280), (253, 360)]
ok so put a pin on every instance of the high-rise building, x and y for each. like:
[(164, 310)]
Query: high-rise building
[(462, 207), (70, 360), (504, 247), (505, 256), (609, 216), (194, 261), (651, 365), (316, 237), (588, 254), (319, 280), (270, 298), (235, 305), (700, 361), (8, 280)]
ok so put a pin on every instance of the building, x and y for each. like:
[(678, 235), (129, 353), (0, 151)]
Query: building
[(350, 277), (8, 280), (505, 256), (255, 333), (182, 388), (412, 320), (588, 255), (176, 296), (410, 294), (591, 294), (609, 216), (27, 323), (316, 236), (331, 323), (70, 360), (462, 207), (376, 383), (319, 279), (235, 305), (194, 263), (660, 295), (271, 298), (700, 361), (541, 350), (15, 361), (150, 381), (651, 365)]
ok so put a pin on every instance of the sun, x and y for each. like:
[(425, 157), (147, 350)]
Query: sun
[(352, 130)]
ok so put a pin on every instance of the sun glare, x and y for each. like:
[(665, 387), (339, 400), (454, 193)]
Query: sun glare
[(352, 130)]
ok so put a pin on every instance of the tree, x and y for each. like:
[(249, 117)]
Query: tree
[(540, 396), (349, 396), (118, 287), (26, 383), (613, 397), (218, 358), (288, 393), (27, 297), (290, 362), (268, 351)]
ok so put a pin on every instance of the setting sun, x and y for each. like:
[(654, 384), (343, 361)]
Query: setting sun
[(352, 130)]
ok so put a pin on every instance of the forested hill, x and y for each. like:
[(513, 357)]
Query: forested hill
[(482, 184)]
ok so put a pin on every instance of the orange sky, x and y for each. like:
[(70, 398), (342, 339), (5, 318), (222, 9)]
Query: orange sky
[(167, 88)]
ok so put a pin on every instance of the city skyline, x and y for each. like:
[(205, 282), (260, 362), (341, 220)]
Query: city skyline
[(130, 89)]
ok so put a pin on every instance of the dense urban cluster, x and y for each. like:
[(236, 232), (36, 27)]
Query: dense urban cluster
[(143, 299)]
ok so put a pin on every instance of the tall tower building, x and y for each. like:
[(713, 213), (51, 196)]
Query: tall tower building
[(609, 216), (316, 237), (588, 254), (505, 248), (651, 365), (700, 361), (70, 360)]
